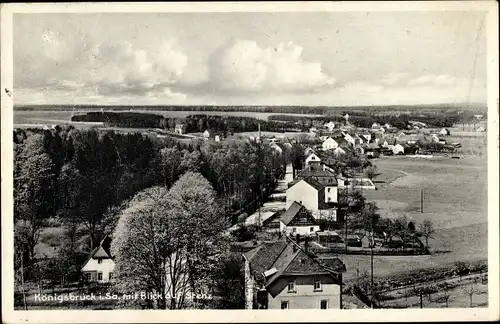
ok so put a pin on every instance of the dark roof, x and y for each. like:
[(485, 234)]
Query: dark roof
[(291, 212), (317, 172), (263, 257), (313, 183)]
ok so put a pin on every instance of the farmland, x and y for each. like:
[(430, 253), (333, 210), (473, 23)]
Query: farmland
[(455, 199)]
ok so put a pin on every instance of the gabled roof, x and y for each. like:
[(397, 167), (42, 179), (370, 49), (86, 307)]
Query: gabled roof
[(263, 257), (288, 258), (313, 183), (102, 251), (317, 172), (293, 262), (291, 212)]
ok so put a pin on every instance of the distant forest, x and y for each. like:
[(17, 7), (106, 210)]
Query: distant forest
[(275, 123), (313, 110)]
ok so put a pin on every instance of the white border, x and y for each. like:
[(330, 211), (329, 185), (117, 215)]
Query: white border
[(209, 316)]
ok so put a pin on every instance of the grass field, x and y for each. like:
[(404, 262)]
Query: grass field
[(455, 199)]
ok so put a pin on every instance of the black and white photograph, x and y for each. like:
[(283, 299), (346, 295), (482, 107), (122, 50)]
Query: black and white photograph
[(251, 159)]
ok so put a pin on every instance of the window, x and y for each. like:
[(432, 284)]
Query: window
[(324, 304), (110, 276), (294, 230), (284, 305), (291, 286), (99, 276), (317, 285), (329, 188), (329, 199), (99, 261), (88, 276), (311, 229)]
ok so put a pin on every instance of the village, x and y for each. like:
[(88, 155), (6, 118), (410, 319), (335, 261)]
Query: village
[(291, 245)]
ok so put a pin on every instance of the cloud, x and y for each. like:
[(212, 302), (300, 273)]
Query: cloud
[(241, 65), (106, 68), (120, 68)]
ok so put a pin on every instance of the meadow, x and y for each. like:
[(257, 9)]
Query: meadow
[(455, 199)]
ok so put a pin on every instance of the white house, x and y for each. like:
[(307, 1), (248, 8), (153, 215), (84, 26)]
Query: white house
[(313, 130), (180, 129), (282, 275), (367, 137), (298, 220), (320, 199), (99, 265), (312, 158), (481, 129), (276, 147), (206, 134), (444, 132), (330, 126), (349, 139), (398, 149), (330, 144), (375, 125), (339, 151)]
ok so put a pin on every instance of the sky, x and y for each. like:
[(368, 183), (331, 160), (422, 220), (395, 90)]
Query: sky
[(236, 58)]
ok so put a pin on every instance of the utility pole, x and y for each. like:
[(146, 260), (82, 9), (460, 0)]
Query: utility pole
[(421, 303), (422, 201), (371, 259)]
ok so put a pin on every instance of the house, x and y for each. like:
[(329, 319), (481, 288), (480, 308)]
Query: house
[(319, 198), (180, 129), (282, 275), (410, 139), (480, 129), (349, 139), (398, 149), (376, 126), (317, 172), (339, 151), (329, 238), (312, 159), (330, 126), (354, 240), (444, 132), (329, 144), (276, 147), (367, 137), (206, 134), (99, 265), (313, 130), (298, 220)]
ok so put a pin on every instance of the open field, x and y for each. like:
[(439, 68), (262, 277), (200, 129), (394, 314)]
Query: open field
[(455, 199)]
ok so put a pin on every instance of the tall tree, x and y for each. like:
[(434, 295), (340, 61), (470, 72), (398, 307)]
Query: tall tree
[(427, 230)]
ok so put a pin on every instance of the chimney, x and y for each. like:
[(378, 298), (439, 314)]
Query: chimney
[(294, 247), (306, 245)]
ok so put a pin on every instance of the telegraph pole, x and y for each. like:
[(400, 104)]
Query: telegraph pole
[(422, 201), (371, 259)]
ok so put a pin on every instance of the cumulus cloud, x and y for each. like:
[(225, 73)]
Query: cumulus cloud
[(242, 65), (120, 68)]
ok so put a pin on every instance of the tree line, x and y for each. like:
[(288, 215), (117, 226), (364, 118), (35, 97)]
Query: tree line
[(194, 123)]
